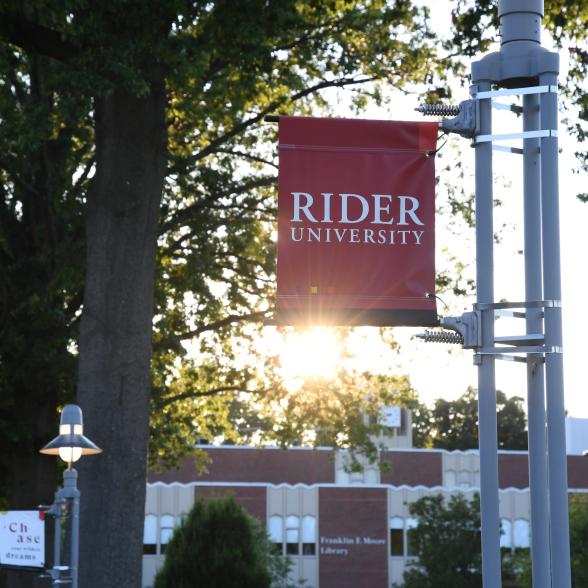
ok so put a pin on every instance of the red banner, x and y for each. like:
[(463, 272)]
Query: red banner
[(356, 214)]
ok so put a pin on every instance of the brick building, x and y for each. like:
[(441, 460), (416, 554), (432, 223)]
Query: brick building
[(342, 530)]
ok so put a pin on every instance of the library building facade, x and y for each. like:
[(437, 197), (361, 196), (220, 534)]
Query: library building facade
[(340, 529)]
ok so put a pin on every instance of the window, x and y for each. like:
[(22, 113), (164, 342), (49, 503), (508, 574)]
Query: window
[(505, 533), (166, 530), (308, 535), (150, 535), (292, 535), (521, 533), (411, 548), (275, 529), (396, 537), (161, 528)]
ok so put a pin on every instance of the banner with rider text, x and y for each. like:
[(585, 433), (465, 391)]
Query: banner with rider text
[(356, 222)]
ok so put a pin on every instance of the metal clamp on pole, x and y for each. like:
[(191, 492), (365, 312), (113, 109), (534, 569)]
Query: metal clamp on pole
[(464, 121), (467, 331)]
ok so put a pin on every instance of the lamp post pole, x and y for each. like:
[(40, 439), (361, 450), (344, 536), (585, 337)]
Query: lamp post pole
[(522, 68), (70, 445)]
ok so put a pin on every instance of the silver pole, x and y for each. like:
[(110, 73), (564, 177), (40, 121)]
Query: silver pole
[(57, 512), (540, 557), (70, 478), (556, 435), (488, 441)]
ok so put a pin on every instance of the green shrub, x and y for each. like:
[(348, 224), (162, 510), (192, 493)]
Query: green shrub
[(217, 546)]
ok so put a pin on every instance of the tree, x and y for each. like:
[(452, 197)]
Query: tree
[(578, 537), (455, 422), (137, 200), (217, 545), (447, 541)]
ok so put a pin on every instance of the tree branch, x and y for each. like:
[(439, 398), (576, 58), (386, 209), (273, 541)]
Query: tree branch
[(228, 320), (168, 343), (18, 181), (203, 394), (247, 156), (184, 213), (32, 36), (213, 146)]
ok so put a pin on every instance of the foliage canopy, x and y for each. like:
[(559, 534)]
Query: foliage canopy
[(78, 80), (455, 423)]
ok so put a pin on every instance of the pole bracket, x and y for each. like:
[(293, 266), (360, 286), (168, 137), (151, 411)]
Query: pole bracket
[(464, 122), (467, 331)]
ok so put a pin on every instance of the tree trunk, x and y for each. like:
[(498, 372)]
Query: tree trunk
[(115, 338)]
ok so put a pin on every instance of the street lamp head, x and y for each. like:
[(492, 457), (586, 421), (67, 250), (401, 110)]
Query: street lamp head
[(71, 443)]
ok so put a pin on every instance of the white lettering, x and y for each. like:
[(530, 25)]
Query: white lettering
[(356, 236), (293, 233), (302, 208), (373, 541), (334, 551), (410, 211), (352, 208), (365, 208), (326, 207), (368, 236), (379, 208), (316, 234)]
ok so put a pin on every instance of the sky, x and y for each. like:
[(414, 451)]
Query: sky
[(442, 371), (448, 375)]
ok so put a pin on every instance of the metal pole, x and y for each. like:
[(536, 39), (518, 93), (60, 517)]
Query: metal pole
[(56, 510), (488, 442), (70, 478), (541, 565), (556, 436)]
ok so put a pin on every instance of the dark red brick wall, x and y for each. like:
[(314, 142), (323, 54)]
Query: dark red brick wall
[(578, 471), (364, 538), (513, 470), (271, 466), (252, 498), (413, 468)]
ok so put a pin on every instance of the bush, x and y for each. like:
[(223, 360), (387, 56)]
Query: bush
[(218, 545), (448, 543)]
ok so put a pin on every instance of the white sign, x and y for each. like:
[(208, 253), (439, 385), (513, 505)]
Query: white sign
[(391, 416), (22, 538)]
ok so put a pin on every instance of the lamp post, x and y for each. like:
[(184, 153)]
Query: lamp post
[(70, 445)]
